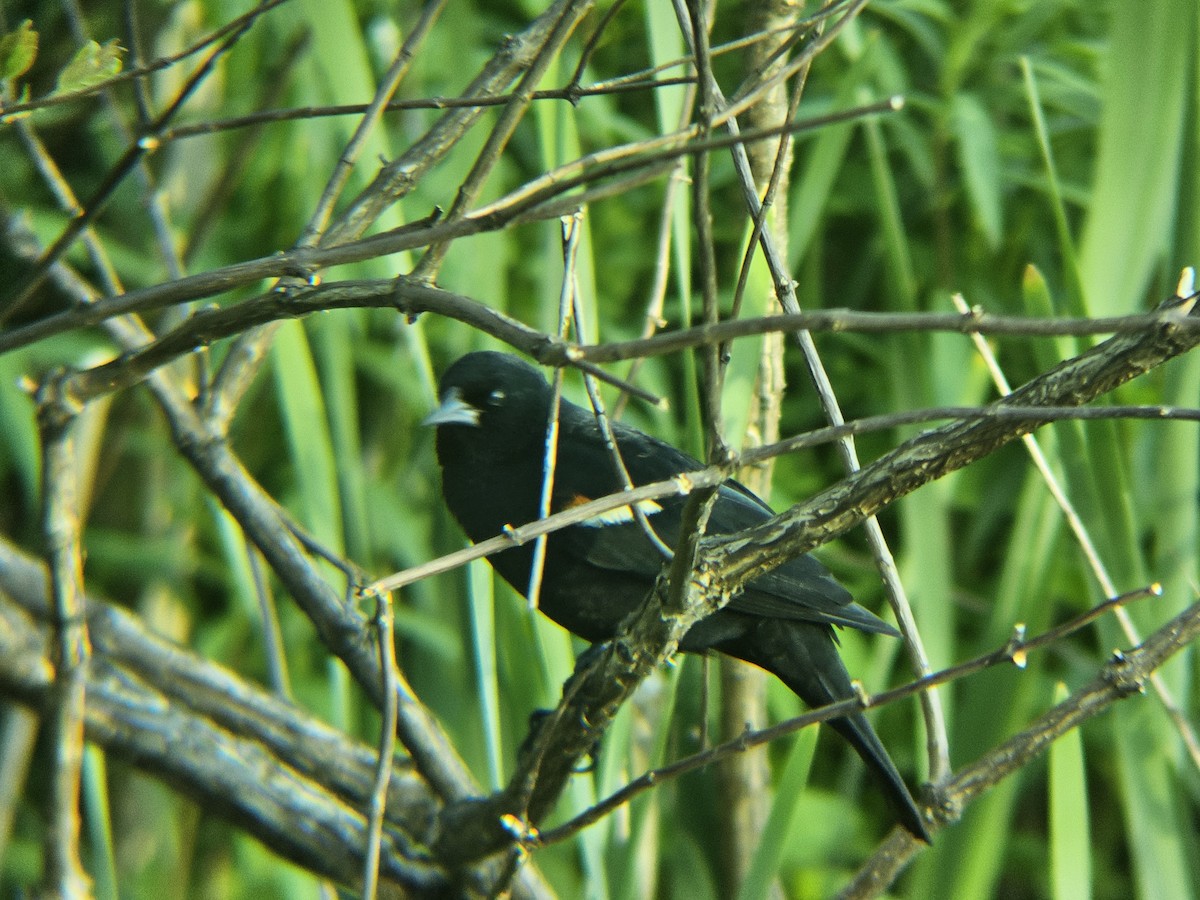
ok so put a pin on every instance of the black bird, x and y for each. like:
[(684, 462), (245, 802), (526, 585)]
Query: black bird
[(491, 437)]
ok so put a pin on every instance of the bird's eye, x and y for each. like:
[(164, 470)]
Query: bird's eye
[(496, 397)]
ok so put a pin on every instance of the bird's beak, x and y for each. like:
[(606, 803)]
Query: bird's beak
[(453, 411)]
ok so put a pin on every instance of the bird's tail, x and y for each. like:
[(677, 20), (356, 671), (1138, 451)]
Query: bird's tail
[(804, 657), (858, 731)]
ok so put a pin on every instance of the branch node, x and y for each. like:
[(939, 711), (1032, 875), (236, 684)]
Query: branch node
[(860, 694), (947, 806), (1124, 675), (1187, 282), (519, 828), (1015, 648)]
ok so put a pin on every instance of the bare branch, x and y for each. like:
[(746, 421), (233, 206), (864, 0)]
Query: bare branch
[(63, 874)]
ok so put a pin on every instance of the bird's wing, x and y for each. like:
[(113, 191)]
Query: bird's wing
[(800, 589)]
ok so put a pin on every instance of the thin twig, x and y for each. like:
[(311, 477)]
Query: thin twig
[(388, 85), (971, 321), (571, 228), (515, 536), (385, 642), (272, 633), (401, 175), (410, 298), (138, 72), (133, 154), (537, 199), (573, 92)]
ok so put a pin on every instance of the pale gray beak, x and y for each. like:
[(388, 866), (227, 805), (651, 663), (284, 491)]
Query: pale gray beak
[(453, 411)]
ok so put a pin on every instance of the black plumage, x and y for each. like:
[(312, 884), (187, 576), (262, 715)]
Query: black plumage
[(491, 434)]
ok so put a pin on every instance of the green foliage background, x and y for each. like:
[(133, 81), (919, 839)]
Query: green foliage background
[(1045, 161)]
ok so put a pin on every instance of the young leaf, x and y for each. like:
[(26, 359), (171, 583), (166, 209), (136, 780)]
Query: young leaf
[(91, 65), (18, 50)]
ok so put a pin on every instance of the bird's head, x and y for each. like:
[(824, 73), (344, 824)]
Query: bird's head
[(490, 401)]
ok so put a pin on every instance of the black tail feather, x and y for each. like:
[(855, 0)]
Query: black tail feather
[(861, 736), (803, 656)]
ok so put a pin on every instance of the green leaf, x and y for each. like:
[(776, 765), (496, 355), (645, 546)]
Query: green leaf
[(481, 601), (91, 65), (1140, 155), (980, 160), (306, 428), (18, 50), (765, 867), (741, 374), (1066, 240), (1070, 848)]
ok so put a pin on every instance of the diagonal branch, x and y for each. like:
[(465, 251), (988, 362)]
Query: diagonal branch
[(1125, 675), (936, 453), (260, 761)]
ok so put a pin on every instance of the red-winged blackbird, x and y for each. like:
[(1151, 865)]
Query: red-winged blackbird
[(491, 440)]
